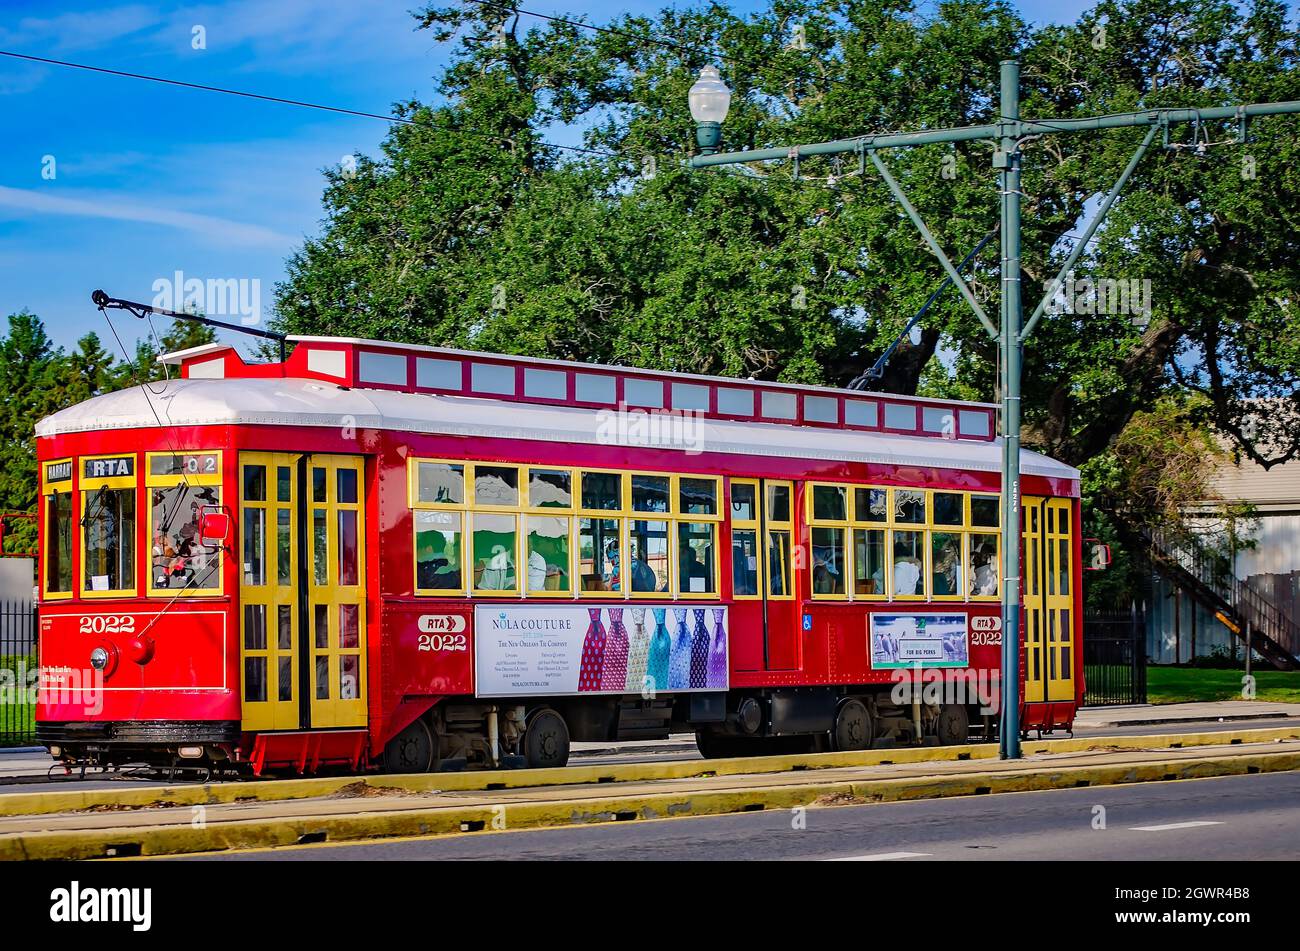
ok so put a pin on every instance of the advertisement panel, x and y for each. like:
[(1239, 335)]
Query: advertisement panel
[(567, 650), (926, 640)]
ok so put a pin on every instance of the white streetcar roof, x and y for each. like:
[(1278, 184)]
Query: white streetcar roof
[(298, 402)]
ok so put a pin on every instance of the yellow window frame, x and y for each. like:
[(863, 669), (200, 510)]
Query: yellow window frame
[(413, 483), (769, 525), (924, 527), (857, 522), (94, 484), (754, 524), (48, 490), (970, 565), (471, 487), (568, 516), (169, 479), (418, 505), (525, 491)]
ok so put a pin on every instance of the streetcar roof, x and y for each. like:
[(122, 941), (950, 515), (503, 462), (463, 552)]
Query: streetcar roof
[(298, 402)]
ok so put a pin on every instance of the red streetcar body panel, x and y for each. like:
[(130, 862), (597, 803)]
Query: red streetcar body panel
[(177, 657)]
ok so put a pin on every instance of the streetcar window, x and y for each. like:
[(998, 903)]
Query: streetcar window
[(745, 551), (778, 503), (744, 562), (109, 525), (650, 493), (438, 551), (985, 511), (58, 542), (441, 483), (346, 485), (550, 489), (829, 503), (254, 545), (598, 553), (743, 506), (602, 491), (870, 505), (493, 541), (181, 487), (909, 564), (984, 565), (695, 542), (778, 570), (698, 496), (946, 566), (948, 508), (828, 560), (868, 561), (179, 559), (496, 485), (548, 554), (649, 554), (909, 506), (349, 546)]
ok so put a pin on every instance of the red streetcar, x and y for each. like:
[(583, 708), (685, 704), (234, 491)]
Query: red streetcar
[(411, 557)]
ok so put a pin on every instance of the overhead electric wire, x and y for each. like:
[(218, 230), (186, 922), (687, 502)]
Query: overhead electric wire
[(204, 87)]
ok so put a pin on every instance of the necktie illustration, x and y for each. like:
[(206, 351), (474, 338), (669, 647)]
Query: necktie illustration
[(679, 666), (593, 653), (613, 673), (661, 646), (718, 654), (699, 651), (638, 652)]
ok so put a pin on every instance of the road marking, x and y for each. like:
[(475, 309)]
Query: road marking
[(1173, 825), (880, 857)]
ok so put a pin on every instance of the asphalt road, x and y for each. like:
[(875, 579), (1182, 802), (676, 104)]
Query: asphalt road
[(25, 772), (1255, 817)]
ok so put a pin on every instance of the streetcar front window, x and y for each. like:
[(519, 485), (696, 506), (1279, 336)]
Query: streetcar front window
[(180, 561), (182, 487), (109, 523)]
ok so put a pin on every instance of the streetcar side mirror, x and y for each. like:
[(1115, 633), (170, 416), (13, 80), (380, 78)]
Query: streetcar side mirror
[(214, 527), (1099, 558)]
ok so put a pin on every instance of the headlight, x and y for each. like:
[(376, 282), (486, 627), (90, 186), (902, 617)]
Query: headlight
[(99, 658)]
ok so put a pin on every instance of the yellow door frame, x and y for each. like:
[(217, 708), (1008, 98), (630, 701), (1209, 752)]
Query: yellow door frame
[(269, 590), (336, 602)]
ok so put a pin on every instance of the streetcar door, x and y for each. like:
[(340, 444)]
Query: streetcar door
[(1048, 599), (782, 633), (269, 590), (336, 611)]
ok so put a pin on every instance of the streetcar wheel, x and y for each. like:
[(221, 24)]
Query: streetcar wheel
[(852, 727), (546, 741), (414, 750), (953, 724)]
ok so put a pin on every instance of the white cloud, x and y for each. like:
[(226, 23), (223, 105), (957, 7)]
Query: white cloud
[(221, 230), (79, 31)]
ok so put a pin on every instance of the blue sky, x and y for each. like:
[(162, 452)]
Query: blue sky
[(150, 180)]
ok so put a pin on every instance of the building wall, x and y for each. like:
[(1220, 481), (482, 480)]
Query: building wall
[(1271, 564)]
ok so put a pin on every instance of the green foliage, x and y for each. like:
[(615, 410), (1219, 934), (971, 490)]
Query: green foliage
[(39, 379)]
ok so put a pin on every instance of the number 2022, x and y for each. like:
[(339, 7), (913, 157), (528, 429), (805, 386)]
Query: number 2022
[(443, 642), (107, 624)]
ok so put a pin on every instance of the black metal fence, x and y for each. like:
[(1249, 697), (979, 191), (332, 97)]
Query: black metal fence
[(17, 672), (1114, 657)]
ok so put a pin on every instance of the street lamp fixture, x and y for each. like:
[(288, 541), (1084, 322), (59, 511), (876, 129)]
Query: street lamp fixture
[(710, 99)]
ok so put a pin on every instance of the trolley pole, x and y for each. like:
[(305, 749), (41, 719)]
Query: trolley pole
[(710, 100)]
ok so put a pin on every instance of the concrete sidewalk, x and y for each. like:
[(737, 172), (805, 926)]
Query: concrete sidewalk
[(1145, 714)]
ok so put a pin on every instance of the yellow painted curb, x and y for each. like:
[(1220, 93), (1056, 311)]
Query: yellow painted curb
[(52, 801), (269, 833)]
